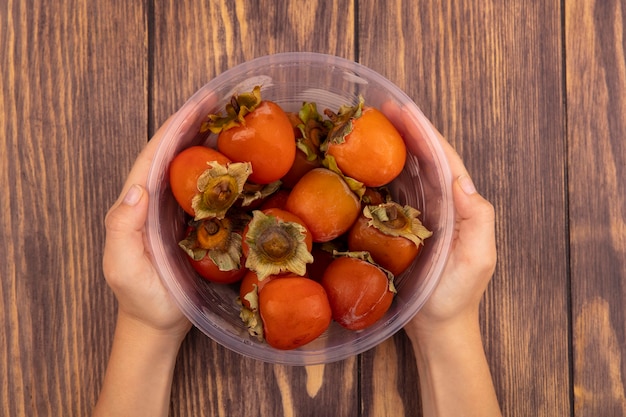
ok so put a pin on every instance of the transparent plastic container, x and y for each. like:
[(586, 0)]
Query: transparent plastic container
[(290, 79)]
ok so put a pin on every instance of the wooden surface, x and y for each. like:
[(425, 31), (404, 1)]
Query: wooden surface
[(531, 93)]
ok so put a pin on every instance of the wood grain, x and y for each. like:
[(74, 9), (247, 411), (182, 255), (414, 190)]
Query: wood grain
[(73, 117), (596, 120), (531, 94), (210, 38), (489, 76)]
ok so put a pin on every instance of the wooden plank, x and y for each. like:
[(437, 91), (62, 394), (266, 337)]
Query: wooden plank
[(596, 121), (211, 37), (488, 74), (73, 117)]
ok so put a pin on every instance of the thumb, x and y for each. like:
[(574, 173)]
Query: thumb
[(128, 215), (475, 225), (124, 228)]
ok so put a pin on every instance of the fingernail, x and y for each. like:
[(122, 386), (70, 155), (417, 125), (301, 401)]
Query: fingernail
[(133, 195), (466, 184)]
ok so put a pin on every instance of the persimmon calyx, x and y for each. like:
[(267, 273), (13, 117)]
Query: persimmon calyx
[(305, 147), (357, 187), (229, 259), (314, 130), (374, 196), (308, 112), (367, 257), (276, 246), (395, 220), (218, 188), (253, 192), (217, 239), (239, 106), (342, 122), (251, 316)]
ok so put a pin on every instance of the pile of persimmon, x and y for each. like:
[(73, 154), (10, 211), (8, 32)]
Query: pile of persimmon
[(294, 209)]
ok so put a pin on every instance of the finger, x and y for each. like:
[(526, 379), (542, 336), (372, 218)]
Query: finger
[(475, 225), (124, 229)]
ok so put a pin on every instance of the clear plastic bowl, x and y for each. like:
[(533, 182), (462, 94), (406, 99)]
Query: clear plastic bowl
[(290, 79)]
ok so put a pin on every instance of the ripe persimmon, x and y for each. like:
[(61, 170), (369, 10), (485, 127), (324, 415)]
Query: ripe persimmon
[(187, 167), (265, 139), (325, 203), (209, 270), (214, 250), (359, 292), (276, 241), (366, 146), (294, 311), (392, 234), (251, 285)]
